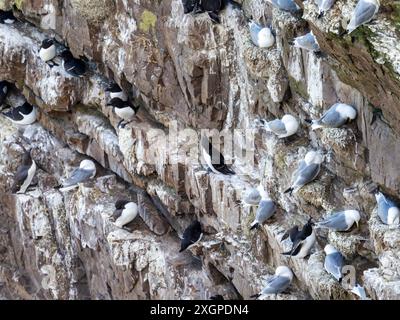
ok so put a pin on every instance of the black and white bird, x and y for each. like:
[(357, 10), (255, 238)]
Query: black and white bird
[(266, 208), (123, 109), (85, 171), (261, 36), (7, 17), (25, 173), (282, 128), (324, 6), (24, 114), (115, 91), (334, 262), (388, 211), (125, 212), (340, 221), (302, 241), (363, 13), (336, 116), (213, 158), (48, 52), (74, 67), (191, 235), (4, 89), (278, 283), (306, 172), (212, 7)]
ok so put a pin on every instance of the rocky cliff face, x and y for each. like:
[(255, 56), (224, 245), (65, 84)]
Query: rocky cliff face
[(188, 73)]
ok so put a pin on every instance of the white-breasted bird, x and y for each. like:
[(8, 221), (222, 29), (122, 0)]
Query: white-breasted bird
[(334, 262), (340, 221), (115, 91), (48, 52), (25, 173), (306, 172), (85, 171), (302, 241), (278, 283), (24, 114), (282, 128), (336, 116), (388, 211), (123, 109), (125, 212), (266, 208), (363, 13), (324, 6), (261, 36), (213, 158)]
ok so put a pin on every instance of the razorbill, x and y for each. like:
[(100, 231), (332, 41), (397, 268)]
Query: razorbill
[(74, 67), (24, 114), (123, 109), (48, 52), (115, 91), (25, 173), (214, 159), (191, 235), (302, 241), (125, 212)]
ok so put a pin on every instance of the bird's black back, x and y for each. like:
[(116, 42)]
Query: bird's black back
[(4, 15), (120, 204), (14, 114), (47, 43), (25, 109), (114, 88)]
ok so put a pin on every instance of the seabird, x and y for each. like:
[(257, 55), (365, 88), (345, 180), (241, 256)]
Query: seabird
[(302, 241), (123, 109), (340, 221), (363, 13), (324, 6), (308, 42), (24, 114), (265, 210), (74, 67), (360, 291), (48, 52), (214, 159), (334, 262), (7, 17), (251, 198), (86, 171), (191, 235), (306, 172), (388, 211), (261, 36), (282, 128), (278, 283), (212, 7), (337, 115), (125, 212), (115, 91), (285, 5), (25, 173), (4, 88)]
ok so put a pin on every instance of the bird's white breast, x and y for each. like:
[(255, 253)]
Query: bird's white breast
[(28, 180), (125, 113), (47, 54), (393, 216), (127, 215), (207, 159), (28, 119)]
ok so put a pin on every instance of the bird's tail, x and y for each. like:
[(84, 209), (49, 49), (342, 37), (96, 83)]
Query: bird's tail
[(290, 190), (254, 225), (255, 295)]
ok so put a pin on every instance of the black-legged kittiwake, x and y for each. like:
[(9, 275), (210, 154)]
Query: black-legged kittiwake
[(115, 91), (336, 116), (334, 262), (24, 114), (213, 158), (282, 128), (388, 211), (250, 198), (48, 52), (25, 173), (74, 67), (285, 5), (125, 212), (306, 172), (307, 42), (261, 36), (7, 17), (324, 6), (85, 171), (191, 235), (360, 291), (4, 89), (123, 109), (266, 208), (363, 13), (278, 283), (340, 221), (302, 241)]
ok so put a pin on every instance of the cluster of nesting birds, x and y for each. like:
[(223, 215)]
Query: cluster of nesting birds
[(304, 238)]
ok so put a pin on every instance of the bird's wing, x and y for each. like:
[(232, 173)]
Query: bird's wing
[(276, 284), (302, 165), (19, 177), (277, 127), (265, 210), (254, 30), (383, 208), (363, 12), (307, 41), (117, 213), (336, 222), (14, 114), (334, 264), (307, 174), (78, 175), (332, 118)]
